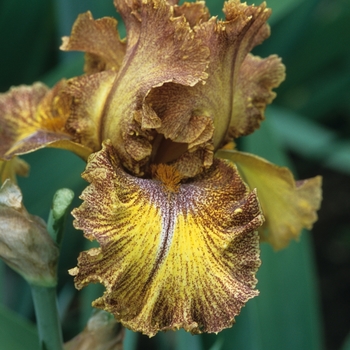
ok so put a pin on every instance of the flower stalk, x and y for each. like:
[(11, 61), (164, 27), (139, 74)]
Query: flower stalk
[(44, 298), (48, 323)]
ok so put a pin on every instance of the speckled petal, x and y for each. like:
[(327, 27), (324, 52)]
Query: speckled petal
[(99, 39), (232, 75), (172, 255), (257, 78), (288, 205), (194, 12), (88, 95), (161, 48), (33, 117)]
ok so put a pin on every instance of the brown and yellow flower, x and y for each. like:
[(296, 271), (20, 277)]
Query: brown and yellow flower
[(177, 228)]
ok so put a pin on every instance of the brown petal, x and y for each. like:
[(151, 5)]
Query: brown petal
[(194, 12), (33, 117), (288, 205), (161, 48), (88, 95), (17, 112), (172, 255), (257, 78), (99, 39), (214, 103)]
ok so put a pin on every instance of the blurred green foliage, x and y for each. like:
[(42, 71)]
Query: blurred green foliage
[(310, 117)]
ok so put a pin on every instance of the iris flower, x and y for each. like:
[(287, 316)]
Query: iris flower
[(178, 228)]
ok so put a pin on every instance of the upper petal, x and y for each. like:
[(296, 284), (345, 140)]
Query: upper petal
[(99, 39), (194, 12), (171, 256), (160, 47), (234, 95), (184, 82), (288, 205), (88, 95), (257, 77)]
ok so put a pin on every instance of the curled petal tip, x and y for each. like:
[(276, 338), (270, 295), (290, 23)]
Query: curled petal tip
[(288, 205)]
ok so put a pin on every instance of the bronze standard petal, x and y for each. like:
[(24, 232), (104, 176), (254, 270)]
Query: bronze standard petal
[(257, 77), (88, 95), (33, 117), (161, 48), (237, 86), (99, 39), (172, 255), (288, 205), (194, 12)]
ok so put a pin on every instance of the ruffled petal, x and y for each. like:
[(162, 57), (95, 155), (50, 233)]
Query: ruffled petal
[(99, 39), (172, 254), (288, 205), (201, 115), (257, 78), (88, 95), (194, 12), (184, 81), (161, 48), (33, 117)]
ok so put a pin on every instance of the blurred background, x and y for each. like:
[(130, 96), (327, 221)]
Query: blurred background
[(304, 300)]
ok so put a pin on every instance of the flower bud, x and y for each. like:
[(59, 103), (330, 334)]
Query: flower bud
[(25, 244), (102, 332)]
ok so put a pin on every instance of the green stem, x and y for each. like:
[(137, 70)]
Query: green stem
[(45, 302), (49, 327)]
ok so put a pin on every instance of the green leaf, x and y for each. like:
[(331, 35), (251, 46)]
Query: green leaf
[(185, 340), (65, 70), (280, 9), (27, 33), (309, 139), (15, 332), (346, 345), (130, 340), (218, 344), (300, 134)]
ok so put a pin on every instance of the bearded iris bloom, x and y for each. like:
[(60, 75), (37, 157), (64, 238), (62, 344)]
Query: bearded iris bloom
[(178, 228)]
